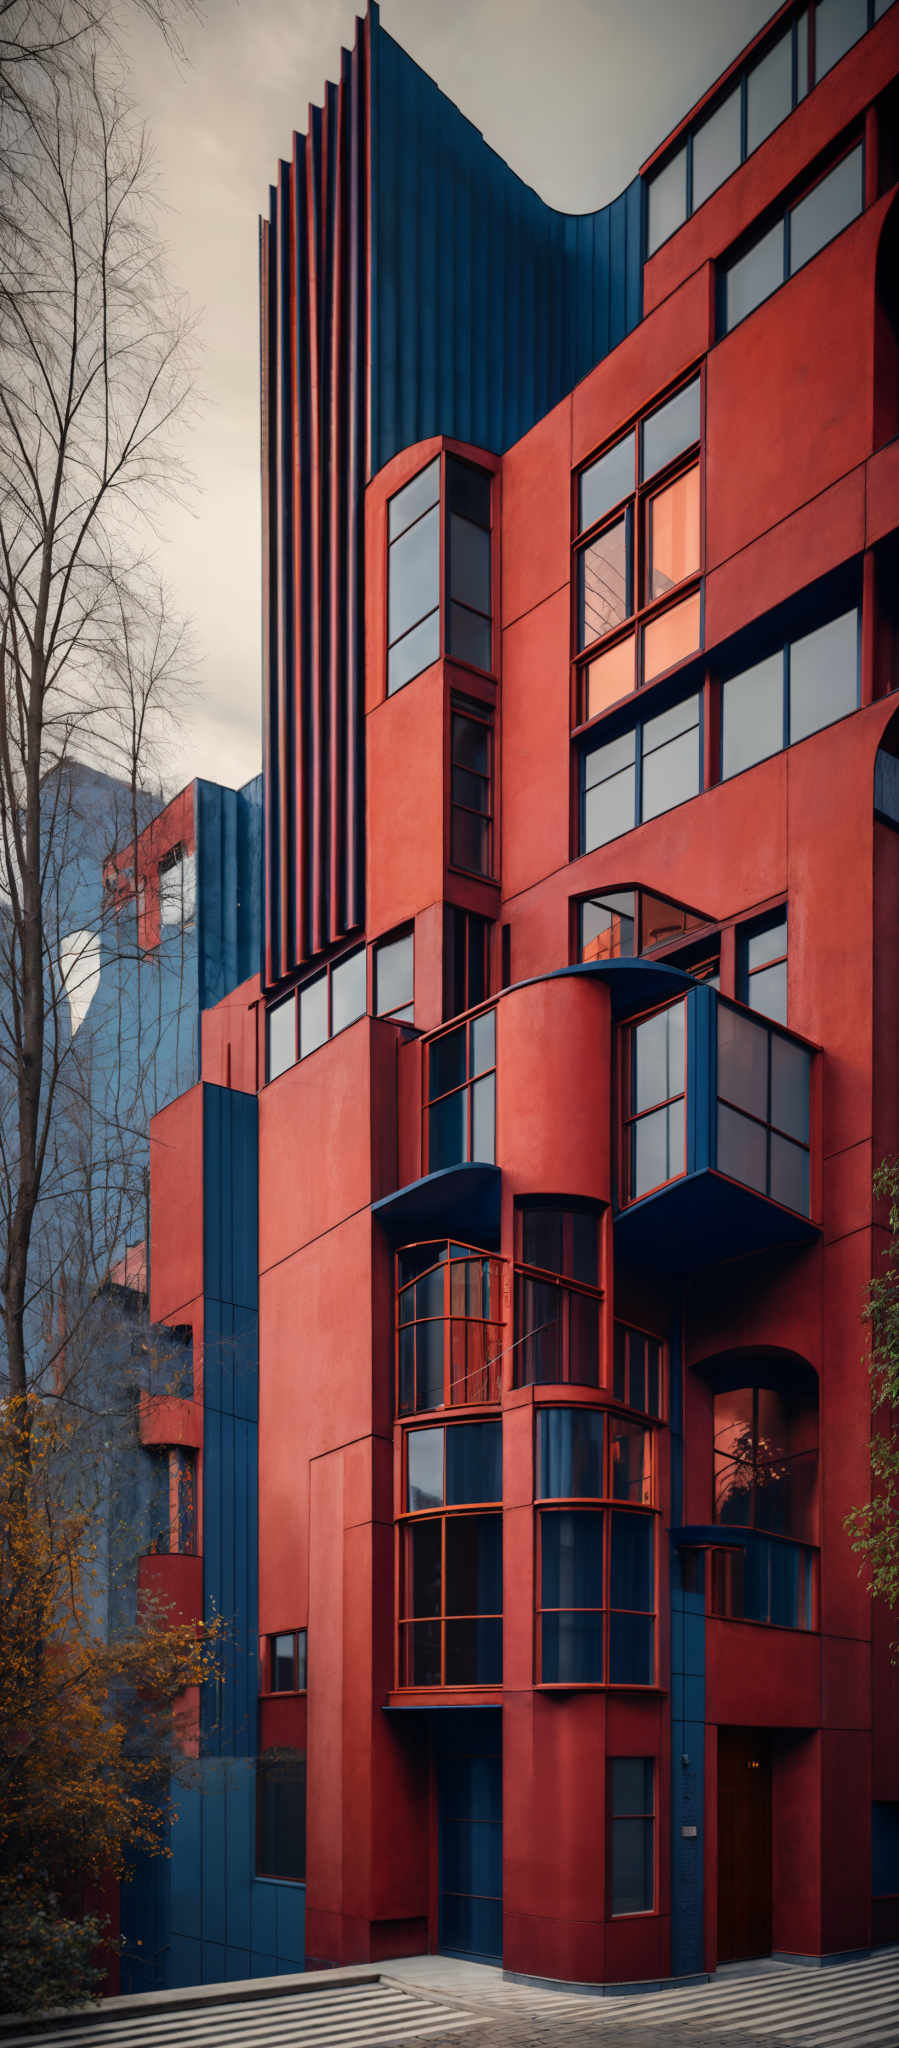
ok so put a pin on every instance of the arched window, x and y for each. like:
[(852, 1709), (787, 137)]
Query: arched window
[(765, 1436)]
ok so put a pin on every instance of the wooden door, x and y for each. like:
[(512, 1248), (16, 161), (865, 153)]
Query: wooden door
[(744, 1844)]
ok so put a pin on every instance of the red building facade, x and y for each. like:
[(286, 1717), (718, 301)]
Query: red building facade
[(574, 1053)]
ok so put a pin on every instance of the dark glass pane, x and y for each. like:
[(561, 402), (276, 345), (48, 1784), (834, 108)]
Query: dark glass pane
[(474, 1564), (414, 575), (630, 1461), (838, 24), (607, 481), (474, 1463), (632, 1563), (301, 1660), (631, 1786), (470, 841), (653, 1377), (727, 1584), (348, 990), (471, 744), (394, 967), (571, 1559), (636, 1395), (667, 200), (671, 774), (446, 1062), (313, 1015), (823, 676), (571, 1649), (827, 209), (657, 1057), (406, 1371), (469, 563), (283, 1676), (469, 637), (482, 1046), (418, 1258), (471, 1850), (733, 1491), (752, 715), (538, 1331), (474, 1652), (619, 1365), (429, 1296), (423, 1566), (424, 1486), (716, 148), (282, 1039), (609, 810), (767, 992), (483, 1119), (478, 959), (447, 1131), (784, 1585), (414, 499), (790, 1076), (769, 92), (281, 1817), (471, 1926), (605, 594), (420, 1645), (584, 1247), (754, 276), (569, 1453), (414, 652), (632, 1866), (789, 1174), (742, 1061), (468, 490), (583, 1339), (757, 1580), (631, 1649), (607, 927), (802, 54), (767, 942), (541, 1237), (742, 1148), (670, 430)]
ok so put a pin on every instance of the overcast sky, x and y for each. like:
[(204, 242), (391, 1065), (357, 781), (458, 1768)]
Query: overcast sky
[(572, 93)]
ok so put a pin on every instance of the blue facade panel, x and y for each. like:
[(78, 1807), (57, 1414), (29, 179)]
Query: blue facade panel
[(229, 887)]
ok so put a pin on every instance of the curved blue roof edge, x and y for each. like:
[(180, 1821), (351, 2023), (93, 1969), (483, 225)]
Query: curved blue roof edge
[(452, 1202), (487, 305)]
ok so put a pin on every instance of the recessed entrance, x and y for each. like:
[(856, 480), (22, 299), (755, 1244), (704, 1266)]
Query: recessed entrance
[(744, 1844), (470, 1789)]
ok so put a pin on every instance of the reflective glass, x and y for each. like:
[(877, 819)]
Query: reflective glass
[(606, 482), (421, 1653), (282, 1036), (667, 200), (672, 535), (414, 575), (671, 774), (301, 1660), (283, 1674), (631, 1648), (429, 1340), (569, 1453), (671, 637), (716, 148), (447, 1131), (446, 1062), (414, 499), (469, 563), (802, 54), (406, 1371), (482, 1042), (423, 1544), (582, 1262), (632, 1866), (541, 1237), (630, 1785), (767, 942), (471, 744), (394, 967), (637, 1374), (742, 1061), (670, 430), (613, 755), (657, 1057), (415, 652), (608, 926), (468, 490), (880, 7), (790, 1071), (607, 677), (823, 675), (571, 1558), (653, 1378), (769, 92), (605, 595), (571, 1648), (348, 990), (752, 715), (827, 209), (473, 1463), (313, 1015), (483, 1119), (767, 992), (474, 1564), (742, 1148), (789, 1174), (838, 24), (470, 841), (470, 637), (754, 276), (630, 1461), (424, 1468), (657, 1149), (609, 810), (632, 1561)]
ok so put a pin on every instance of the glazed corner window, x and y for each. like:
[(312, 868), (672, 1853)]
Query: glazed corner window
[(631, 1805), (621, 923), (766, 1460), (596, 1602), (395, 978), (808, 683), (638, 506), (763, 1110), (460, 1104), (762, 966), (793, 239), (471, 790), (451, 1557), (640, 774), (637, 1379), (281, 1815), (449, 1332), (299, 1023), (557, 1297), (413, 571), (654, 1139), (287, 1661), (466, 960)]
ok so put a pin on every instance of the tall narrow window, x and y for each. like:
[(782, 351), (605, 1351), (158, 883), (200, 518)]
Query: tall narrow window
[(469, 630), (281, 1815), (466, 960), (762, 966), (631, 1834), (557, 1297), (655, 1120), (413, 577), (395, 978), (596, 1585), (451, 1555), (471, 794), (461, 1098)]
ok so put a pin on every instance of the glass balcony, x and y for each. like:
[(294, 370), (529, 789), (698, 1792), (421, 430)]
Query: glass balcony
[(716, 1144), (449, 1333)]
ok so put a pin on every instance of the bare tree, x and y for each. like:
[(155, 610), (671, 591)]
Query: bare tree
[(94, 373)]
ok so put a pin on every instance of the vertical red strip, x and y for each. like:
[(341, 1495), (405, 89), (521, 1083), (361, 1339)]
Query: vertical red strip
[(336, 670), (313, 938), (266, 457), (296, 751)]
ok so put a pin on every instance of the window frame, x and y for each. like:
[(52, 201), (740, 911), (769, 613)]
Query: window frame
[(483, 715), (604, 1511), (270, 1762), (648, 713), (780, 216), (293, 995), (468, 1084), (393, 938), (566, 1283), (409, 1518), (448, 1317), (460, 937), (300, 1663), (447, 452), (628, 1119), (638, 1912)]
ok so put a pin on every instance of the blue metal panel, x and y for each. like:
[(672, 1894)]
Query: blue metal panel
[(215, 1875), (291, 1924), (687, 1712), (884, 1847), (229, 887), (264, 1915)]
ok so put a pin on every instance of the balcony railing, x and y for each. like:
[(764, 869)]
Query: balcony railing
[(449, 1328)]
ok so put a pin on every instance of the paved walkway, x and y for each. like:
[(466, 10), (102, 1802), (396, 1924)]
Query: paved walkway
[(444, 2003)]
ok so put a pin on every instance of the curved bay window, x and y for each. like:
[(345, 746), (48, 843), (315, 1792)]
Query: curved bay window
[(766, 1472), (558, 1299), (449, 1333), (451, 1554), (595, 1564)]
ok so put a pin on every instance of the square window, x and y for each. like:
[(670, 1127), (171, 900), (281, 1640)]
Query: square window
[(670, 637), (607, 677), (669, 431)]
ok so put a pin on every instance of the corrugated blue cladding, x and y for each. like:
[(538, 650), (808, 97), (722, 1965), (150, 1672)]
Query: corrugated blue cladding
[(487, 305), (229, 887), (687, 1713)]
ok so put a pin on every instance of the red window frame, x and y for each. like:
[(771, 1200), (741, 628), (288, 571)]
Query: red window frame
[(492, 1366), (412, 1518)]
